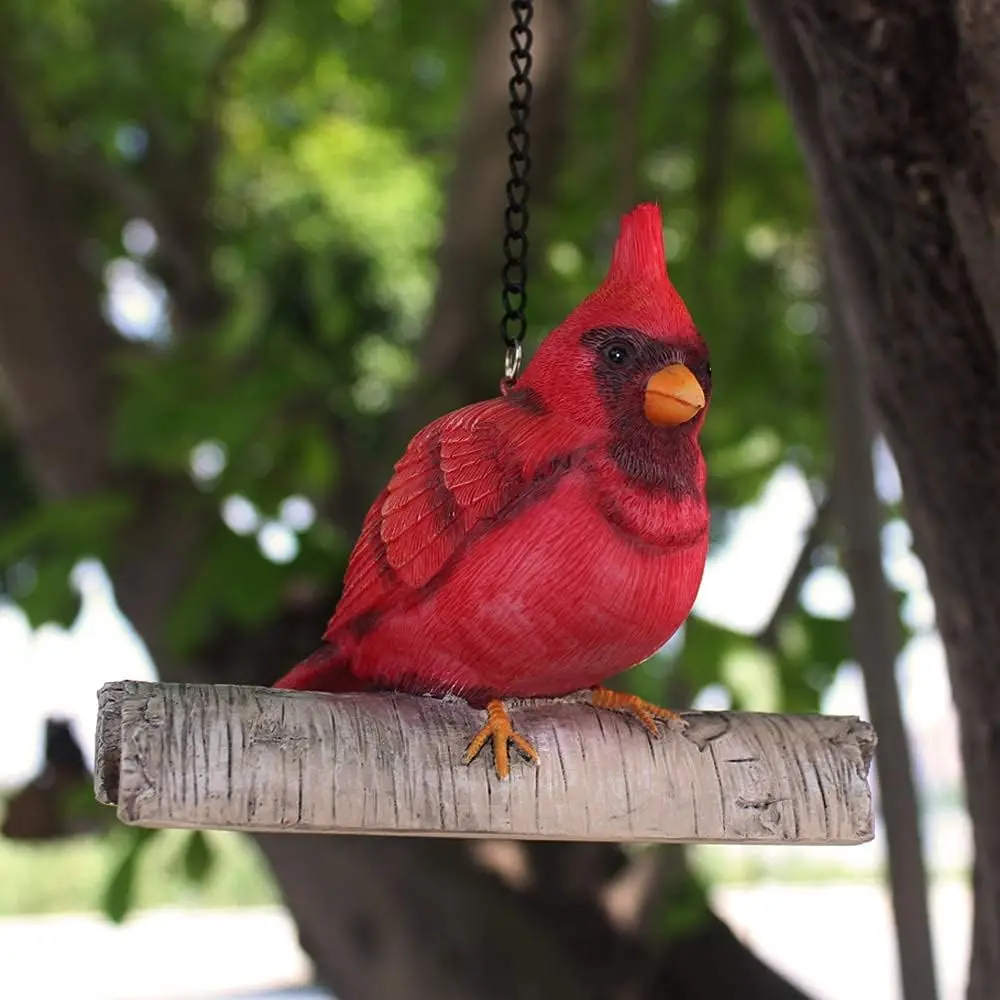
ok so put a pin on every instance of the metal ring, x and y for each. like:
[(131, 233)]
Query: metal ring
[(512, 362)]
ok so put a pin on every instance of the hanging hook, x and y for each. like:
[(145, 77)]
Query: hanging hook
[(511, 365), (514, 324)]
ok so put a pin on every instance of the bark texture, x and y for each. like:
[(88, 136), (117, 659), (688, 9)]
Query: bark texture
[(896, 106), (229, 757)]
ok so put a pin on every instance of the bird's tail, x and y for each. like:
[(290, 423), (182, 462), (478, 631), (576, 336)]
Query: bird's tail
[(327, 669)]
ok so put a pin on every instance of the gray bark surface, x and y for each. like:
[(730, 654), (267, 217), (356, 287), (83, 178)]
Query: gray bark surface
[(246, 758)]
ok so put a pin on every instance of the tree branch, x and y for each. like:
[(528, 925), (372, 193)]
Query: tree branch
[(257, 759), (877, 641)]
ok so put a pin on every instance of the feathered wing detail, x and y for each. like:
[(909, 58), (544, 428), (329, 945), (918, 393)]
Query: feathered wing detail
[(460, 473)]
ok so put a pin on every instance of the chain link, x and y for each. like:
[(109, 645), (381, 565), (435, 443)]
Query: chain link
[(514, 324)]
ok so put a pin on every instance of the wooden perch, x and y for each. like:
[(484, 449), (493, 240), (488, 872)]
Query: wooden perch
[(249, 758)]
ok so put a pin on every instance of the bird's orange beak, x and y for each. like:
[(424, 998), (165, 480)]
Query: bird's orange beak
[(673, 396)]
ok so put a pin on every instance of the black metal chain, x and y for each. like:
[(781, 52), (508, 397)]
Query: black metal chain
[(514, 324)]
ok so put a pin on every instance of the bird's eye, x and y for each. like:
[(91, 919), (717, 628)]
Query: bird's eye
[(617, 353), (708, 370)]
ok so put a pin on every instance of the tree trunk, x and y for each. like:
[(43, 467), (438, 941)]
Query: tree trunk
[(896, 111), (54, 387), (420, 919), (877, 642)]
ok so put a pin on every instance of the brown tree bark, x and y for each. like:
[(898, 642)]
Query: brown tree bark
[(895, 106), (55, 387)]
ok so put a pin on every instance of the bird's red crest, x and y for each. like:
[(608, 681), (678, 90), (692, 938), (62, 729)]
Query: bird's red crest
[(636, 293), (638, 254)]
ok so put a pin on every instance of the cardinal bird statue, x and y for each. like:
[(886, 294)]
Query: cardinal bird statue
[(539, 543)]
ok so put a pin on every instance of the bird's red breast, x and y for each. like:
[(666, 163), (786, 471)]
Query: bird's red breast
[(541, 542)]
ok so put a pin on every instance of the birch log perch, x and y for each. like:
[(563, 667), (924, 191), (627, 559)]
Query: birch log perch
[(248, 758)]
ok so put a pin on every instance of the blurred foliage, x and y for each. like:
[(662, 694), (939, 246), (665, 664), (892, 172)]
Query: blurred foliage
[(120, 889), (84, 874), (332, 128), (195, 861)]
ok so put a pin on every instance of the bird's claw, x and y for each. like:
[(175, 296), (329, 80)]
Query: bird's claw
[(645, 711), (499, 728)]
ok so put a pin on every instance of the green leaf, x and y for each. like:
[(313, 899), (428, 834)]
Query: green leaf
[(198, 858), (119, 892)]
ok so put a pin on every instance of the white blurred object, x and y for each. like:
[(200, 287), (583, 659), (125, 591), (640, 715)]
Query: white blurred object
[(57, 671), (837, 942), (231, 954), (253, 954)]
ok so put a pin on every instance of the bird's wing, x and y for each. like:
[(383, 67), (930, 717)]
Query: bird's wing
[(460, 474)]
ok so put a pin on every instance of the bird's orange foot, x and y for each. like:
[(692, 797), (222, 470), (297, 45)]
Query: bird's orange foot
[(498, 726), (645, 711)]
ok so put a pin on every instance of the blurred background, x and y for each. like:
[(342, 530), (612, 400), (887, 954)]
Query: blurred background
[(247, 248)]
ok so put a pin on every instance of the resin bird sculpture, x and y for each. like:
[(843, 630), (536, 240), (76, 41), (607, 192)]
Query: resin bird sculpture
[(539, 543)]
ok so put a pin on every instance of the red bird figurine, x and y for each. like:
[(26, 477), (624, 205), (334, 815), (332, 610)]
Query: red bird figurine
[(536, 544)]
